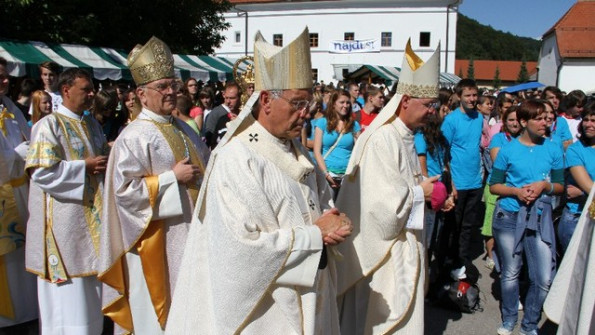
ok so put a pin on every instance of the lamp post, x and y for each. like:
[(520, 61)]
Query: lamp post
[(244, 13)]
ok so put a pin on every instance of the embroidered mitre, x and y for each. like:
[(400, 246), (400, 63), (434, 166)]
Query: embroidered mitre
[(282, 68), (419, 79), (150, 62)]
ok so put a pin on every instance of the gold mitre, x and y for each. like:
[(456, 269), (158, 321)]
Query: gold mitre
[(150, 62), (282, 68), (419, 79)]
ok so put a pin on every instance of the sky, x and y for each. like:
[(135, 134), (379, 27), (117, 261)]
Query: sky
[(527, 18)]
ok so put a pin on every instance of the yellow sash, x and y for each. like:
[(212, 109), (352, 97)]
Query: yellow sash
[(4, 115)]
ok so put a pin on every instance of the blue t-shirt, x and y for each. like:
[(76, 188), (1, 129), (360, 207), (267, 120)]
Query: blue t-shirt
[(499, 140), (463, 134), (578, 154), (435, 161), (338, 159), (560, 131), (311, 137), (524, 165)]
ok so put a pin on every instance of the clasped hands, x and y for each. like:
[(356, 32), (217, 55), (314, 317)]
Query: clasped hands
[(96, 165), (334, 227), (530, 192)]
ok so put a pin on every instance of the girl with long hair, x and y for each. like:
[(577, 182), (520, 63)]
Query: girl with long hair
[(41, 103), (334, 138)]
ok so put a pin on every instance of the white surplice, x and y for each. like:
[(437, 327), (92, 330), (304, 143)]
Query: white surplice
[(65, 201), (251, 263), (381, 278)]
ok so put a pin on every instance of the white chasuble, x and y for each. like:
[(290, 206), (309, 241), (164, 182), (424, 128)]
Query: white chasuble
[(571, 300), (251, 263), (380, 281), (18, 293), (146, 219)]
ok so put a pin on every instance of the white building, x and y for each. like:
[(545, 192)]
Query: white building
[(381, 27), (567, 56)]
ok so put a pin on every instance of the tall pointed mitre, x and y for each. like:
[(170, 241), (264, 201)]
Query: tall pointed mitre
[(418, 80), (150, 62), (282, 68), (275, 68)]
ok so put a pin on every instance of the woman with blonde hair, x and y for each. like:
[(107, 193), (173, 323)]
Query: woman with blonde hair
[(41, 103)]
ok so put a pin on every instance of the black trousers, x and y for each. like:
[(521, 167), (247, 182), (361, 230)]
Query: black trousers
[(468, 216)]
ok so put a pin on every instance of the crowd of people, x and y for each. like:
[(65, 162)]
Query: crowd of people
[(280, 206)]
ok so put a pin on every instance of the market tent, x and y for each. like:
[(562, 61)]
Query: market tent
[(523, 86), (104, 63), (390, 75)]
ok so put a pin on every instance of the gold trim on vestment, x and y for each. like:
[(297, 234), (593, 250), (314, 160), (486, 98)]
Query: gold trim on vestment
[(12, 227), (6, 308)]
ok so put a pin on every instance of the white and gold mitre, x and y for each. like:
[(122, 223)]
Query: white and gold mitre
[(419, 79), (150, 62), (282, 68)]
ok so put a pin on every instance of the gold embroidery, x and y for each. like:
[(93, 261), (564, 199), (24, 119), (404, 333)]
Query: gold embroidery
[(418, 90)]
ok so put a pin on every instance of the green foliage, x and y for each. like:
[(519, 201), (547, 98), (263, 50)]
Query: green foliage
[(497, 81), (187, 26), (484, 42), (523, 75), (461, 73), (471, 70)]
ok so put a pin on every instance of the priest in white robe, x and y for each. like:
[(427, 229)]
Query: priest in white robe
[(571, 300), (381, 278), (18, 288), (66, 161), (256, 261), (154, 173)]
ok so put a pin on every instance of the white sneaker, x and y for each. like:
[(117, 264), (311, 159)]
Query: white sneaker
[(459, 273), (490, 263), (520, 306)]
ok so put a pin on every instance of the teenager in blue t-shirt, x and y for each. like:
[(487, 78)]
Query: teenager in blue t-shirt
[(527, 170), (558, 130), (334, 139), (580, 161), (462, 129)]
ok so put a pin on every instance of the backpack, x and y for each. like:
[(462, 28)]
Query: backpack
[(460, 296)]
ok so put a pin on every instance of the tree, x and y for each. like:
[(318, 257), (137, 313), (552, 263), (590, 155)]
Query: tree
[(188, 26), (461, 73), (471, 70), (523, 75), (497, 82)]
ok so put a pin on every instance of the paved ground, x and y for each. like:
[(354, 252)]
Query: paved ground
[(448, 322)]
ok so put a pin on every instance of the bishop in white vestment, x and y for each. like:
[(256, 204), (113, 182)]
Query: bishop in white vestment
[(255, 261), (153, 177), (381, 278)]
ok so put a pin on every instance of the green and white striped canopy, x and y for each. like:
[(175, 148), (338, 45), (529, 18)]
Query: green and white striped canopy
[(104, 63), (391, 74)]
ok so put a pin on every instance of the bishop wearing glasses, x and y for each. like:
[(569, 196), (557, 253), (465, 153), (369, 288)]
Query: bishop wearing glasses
[(259, 257), (152, 181)]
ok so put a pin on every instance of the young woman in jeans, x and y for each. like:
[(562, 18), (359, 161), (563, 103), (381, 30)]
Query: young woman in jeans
[(527, 170), (580, 160)]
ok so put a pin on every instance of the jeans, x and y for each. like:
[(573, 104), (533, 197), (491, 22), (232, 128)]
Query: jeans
[(434, 222), (566, 227), (539, 263)]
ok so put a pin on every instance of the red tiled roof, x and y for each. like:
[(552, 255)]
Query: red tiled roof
[(575, 31), (486, 69)]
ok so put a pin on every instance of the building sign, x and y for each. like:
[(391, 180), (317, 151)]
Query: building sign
[(356, 46)]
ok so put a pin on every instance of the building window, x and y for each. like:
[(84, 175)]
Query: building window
[(314, 40), (315, 75), (386, 39), (238, 37), (349, 36), (424, 39), (278, 40), (345, 72)]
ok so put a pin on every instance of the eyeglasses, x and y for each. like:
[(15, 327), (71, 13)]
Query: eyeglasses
[(164, 87), (298, 105), (432, 105)]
